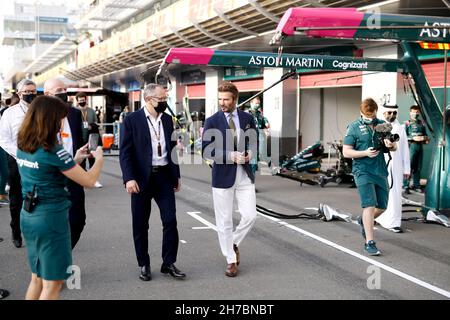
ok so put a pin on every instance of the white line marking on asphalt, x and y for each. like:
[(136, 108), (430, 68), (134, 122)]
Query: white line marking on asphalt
[(205, 222), (201, 228), (183, 241), (343, 249), (361, 257)]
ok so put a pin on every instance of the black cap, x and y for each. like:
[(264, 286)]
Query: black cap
[(390, 106)]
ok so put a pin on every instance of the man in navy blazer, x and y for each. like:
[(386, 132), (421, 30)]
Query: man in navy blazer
[(72, 141), (150, 169), (230, 139)]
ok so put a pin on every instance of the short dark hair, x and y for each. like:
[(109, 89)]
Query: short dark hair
[(80, 95), (229, 87), (41, 124), (414, 107)]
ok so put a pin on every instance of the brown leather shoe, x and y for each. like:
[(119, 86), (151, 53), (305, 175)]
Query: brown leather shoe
[(236, 250), (231, 270)]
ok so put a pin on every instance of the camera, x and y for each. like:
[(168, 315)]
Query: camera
[(383, 131), (31, 200)]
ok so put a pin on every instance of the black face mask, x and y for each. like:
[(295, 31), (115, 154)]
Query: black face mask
[(62, 96), (28, 98), (161, 107), (82, 104)]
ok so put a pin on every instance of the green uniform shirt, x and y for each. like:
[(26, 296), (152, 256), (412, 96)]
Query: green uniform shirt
[(44, 169), (366, 170), (261, 122), (415, 128)]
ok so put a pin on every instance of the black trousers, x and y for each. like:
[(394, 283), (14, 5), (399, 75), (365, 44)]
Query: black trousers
[(84, 163), (160, 188), (77, 212), (15, 197)]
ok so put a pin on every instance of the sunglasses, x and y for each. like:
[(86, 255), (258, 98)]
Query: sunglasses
[(391, 112)]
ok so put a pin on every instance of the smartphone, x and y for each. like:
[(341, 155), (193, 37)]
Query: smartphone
[(93, 141)]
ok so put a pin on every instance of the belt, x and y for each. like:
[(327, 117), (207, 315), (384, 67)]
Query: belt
[(158, 168)]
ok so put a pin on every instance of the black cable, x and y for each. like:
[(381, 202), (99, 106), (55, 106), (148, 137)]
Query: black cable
[(416, 99), (283, 77), (413, 219), (302, 215), (347, 77), (411, 205)]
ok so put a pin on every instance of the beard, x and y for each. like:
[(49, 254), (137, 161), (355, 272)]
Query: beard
[(391, 119)]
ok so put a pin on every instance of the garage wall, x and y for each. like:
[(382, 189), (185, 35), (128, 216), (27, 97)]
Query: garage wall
[(309, 116), (340, 107)]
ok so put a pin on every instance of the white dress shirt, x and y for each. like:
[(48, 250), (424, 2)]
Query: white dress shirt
[(10, 124), (158, 126), (66, 136)]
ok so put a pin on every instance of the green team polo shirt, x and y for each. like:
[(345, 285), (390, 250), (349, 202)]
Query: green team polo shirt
[(366, 170), (44, 169), (415, 128)]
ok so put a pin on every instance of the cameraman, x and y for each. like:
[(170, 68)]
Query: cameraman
[(363, 144)]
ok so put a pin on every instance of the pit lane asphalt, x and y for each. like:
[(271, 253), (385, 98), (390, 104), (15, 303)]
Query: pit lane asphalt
[(277, 261)]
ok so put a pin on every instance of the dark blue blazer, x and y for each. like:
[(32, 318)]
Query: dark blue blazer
[(76, 190), (223, 170), (75, 123), (136, 149)]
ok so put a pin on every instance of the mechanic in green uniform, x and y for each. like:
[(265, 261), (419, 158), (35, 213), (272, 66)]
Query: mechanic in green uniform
[(263, 126), (362, 143), (417, 137), (43, 167)]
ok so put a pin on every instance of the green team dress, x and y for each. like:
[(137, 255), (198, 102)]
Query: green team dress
[(46, 229)]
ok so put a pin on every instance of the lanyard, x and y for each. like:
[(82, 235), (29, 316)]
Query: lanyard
[(84, 114), (158, 135), (21, 107)]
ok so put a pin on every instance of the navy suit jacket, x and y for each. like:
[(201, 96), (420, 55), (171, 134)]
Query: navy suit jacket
[(223, 170), (136, 149), (76, 190), (75, 123)]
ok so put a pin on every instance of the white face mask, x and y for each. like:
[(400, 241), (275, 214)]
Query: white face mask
[(367, 121)]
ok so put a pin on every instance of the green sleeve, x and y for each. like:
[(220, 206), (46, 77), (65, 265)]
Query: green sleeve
[(61, 159), (350, 137)]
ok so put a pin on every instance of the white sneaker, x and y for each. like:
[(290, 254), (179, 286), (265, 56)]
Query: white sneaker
[(98, 184)]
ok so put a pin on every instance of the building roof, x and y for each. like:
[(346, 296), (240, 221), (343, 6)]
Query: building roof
[(243, 28), (58, 50)]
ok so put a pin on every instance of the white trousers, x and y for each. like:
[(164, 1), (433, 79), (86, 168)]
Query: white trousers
[(243, 191)]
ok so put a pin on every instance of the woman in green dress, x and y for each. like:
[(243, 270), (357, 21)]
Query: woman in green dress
[(43, 166)]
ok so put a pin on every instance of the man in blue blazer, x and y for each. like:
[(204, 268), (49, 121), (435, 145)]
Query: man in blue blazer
[(230, 139), (72, 141), (150, 169)]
